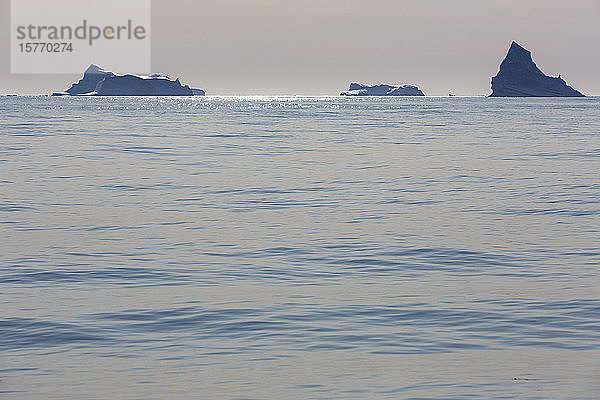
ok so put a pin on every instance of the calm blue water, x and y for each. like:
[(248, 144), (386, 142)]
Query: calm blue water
[(299, 248)]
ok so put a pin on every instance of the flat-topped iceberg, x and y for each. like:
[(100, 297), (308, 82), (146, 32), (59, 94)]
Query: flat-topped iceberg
[(520, 77), (357, 89), (99, 82)]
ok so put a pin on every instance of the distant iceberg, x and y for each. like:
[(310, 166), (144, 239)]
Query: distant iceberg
[(520, 77), (357, 89), (99, 82)]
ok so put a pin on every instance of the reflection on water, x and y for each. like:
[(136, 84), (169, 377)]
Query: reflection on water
[(267, 248)]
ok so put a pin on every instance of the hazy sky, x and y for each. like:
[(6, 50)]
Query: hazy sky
[(317, 47)]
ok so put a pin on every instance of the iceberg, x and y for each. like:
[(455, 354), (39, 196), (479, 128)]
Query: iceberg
[(99, 82), (357, 89), (520, 77)]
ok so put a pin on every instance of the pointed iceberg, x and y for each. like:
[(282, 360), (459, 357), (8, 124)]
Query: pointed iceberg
[(520, 77)]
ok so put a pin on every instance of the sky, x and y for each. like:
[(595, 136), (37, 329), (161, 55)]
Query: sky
[(317, 47)]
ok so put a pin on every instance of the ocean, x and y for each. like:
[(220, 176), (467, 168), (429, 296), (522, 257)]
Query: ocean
[(299, 248)]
